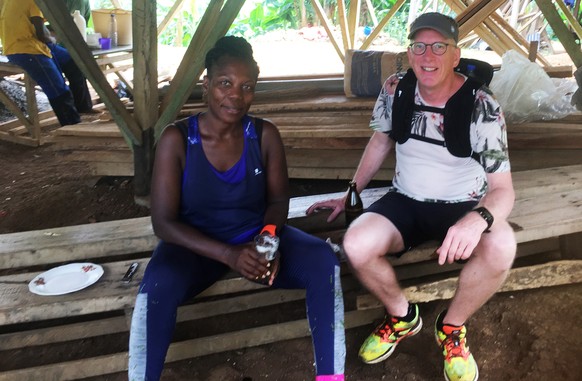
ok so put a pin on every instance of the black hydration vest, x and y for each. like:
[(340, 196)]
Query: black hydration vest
[(458, 113)]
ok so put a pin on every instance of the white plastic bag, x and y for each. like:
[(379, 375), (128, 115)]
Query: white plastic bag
[(526, 92)]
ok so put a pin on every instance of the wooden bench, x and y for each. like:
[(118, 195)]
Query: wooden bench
[(26, 130), (547, 219), (27, 127)]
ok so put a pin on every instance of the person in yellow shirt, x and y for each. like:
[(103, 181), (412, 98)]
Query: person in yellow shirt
[(27, 43)]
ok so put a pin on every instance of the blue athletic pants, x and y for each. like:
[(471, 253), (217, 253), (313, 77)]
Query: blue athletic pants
[(175, 274)]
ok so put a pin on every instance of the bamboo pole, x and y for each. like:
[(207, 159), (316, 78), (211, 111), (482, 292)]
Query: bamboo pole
[(354, 20), (214, 24), (171, 13), (381, 24), (327, 25), (343, 22)]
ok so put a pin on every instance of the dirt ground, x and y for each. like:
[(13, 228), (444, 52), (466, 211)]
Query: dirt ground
[(528, 335)]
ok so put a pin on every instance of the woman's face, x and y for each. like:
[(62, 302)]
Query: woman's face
[(230, 88)]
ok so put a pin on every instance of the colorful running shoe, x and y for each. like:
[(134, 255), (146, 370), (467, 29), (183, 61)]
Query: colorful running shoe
[(459, 362), (382, 342)]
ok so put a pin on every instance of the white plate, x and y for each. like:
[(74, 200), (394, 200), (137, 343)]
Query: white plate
[(66, 279)]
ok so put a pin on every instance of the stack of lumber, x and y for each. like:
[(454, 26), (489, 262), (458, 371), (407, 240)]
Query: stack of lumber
[(324, 137)]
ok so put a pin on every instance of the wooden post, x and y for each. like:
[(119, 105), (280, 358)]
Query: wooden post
[(533, 50), (145, 94), (143, 164)]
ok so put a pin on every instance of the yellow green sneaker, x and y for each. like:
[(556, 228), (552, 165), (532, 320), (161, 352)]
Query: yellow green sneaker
[(459, 362), (382, 342)]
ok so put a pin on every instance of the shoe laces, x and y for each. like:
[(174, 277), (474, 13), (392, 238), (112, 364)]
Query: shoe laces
[(387, 328), (454, 345)]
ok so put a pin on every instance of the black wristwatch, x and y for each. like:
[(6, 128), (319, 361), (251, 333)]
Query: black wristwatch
[(487, 216)]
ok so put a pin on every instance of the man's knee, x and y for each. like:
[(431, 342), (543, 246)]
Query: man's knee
[(366, 240), (500, 248)]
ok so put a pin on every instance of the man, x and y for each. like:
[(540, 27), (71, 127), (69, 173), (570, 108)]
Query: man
[(27, 43), (452, 184)]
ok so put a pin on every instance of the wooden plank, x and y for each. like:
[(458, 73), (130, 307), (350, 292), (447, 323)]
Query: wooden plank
[(96, 366), (545, 275), (523, 160), (414, 265), (24, 140), (57, 244), (25, 249), (19, 305), (111, 169), (103, 156), (101, 129), (571, 246), (113, 325)]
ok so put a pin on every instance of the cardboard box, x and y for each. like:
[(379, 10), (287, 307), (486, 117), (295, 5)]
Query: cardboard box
[(366, 70)]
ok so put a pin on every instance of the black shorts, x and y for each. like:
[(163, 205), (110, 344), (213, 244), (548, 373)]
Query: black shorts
[(419, 221)]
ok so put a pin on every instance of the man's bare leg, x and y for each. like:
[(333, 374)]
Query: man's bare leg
[(483, 274), (366, 244)]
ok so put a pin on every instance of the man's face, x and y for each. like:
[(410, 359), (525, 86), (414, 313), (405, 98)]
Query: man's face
[(434, 70)]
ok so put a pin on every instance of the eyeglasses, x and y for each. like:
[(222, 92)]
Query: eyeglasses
[(438, 48)]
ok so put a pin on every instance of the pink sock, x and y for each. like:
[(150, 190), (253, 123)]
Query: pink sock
[(330, 377)]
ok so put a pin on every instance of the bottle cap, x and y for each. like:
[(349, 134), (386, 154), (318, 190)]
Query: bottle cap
[(271, 229)]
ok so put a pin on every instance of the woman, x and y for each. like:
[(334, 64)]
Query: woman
[(219, 178)]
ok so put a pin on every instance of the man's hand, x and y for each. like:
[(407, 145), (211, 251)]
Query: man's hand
[(337, 206), (462, 238)]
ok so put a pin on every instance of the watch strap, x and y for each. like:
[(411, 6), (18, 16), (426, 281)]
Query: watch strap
[(486, 215)]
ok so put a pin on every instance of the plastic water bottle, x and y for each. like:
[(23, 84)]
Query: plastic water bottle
[(267, 242), (81, 24), (113, 30)]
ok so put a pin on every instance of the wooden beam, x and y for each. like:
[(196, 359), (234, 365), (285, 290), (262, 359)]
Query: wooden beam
[(214, 24), (574, 24), (500, 21), (62, 22), (524, 278), (475, 14), (34, 127), (563, 33), (354, 20), (378, 28), (145, 94), (370, 7), (327, 26), (171, 13), (344, 26)]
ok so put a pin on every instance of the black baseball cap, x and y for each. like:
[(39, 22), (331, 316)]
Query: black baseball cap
[(445, 25)]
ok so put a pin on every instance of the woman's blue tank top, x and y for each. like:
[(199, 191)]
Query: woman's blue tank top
[(228, 206)]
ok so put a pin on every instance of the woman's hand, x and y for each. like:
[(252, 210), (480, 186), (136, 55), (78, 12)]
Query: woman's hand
[(245, 260), (337, 206), (273, 270)]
